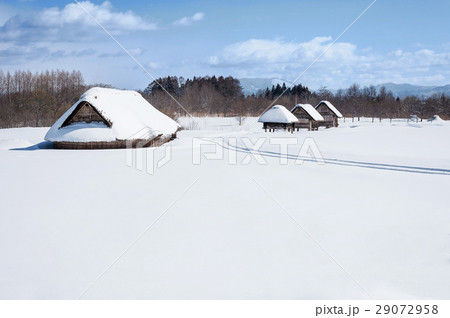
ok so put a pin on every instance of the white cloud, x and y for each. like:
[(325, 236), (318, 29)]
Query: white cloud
[(421, 58), (6, 12), (256, 51), (133, 52), (186, 21), (104, 13), (68, 32), (19, 55), (156, 65), (421, 67), (71, 23), (341, 65)]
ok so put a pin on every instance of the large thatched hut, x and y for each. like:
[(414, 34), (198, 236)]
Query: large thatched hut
[(278, 117), (329, 113), (106, 118), (308, 117)]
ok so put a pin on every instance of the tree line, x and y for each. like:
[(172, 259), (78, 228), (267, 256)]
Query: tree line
[(366, 101), (223, 96), (212, 96), (39, 99)]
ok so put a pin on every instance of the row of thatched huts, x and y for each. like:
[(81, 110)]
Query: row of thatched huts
[(301, 116), (108, 118)]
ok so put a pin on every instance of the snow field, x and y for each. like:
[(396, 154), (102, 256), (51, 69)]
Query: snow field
[(228, 231)]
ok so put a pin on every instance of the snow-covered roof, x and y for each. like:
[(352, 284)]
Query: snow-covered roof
[(277, 114), (331, 107), (129, 114), (310, 110), (435, 118)]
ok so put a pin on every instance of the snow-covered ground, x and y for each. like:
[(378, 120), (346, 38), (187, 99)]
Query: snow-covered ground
[(373, 221)]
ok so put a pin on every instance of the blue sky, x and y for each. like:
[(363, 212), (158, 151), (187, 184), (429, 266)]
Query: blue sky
[(401, 41)]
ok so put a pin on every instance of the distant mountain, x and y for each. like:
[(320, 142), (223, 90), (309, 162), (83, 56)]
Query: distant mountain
[(253, 85), (402, 90)]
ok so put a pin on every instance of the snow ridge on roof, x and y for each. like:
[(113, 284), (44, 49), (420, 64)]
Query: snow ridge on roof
[(277, 114), (331, 107), (132, 117), (310, 110)]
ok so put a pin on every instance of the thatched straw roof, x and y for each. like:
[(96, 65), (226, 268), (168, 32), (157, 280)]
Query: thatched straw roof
[(277, 114), (331, 107), (106, 115), (310, 110)]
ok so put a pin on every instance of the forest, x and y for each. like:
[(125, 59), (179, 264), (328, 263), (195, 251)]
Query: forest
[(39, 99)]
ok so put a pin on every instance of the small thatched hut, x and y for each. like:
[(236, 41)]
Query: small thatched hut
[(107, 118), (308, 117), (329, 113), (278, 117)]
